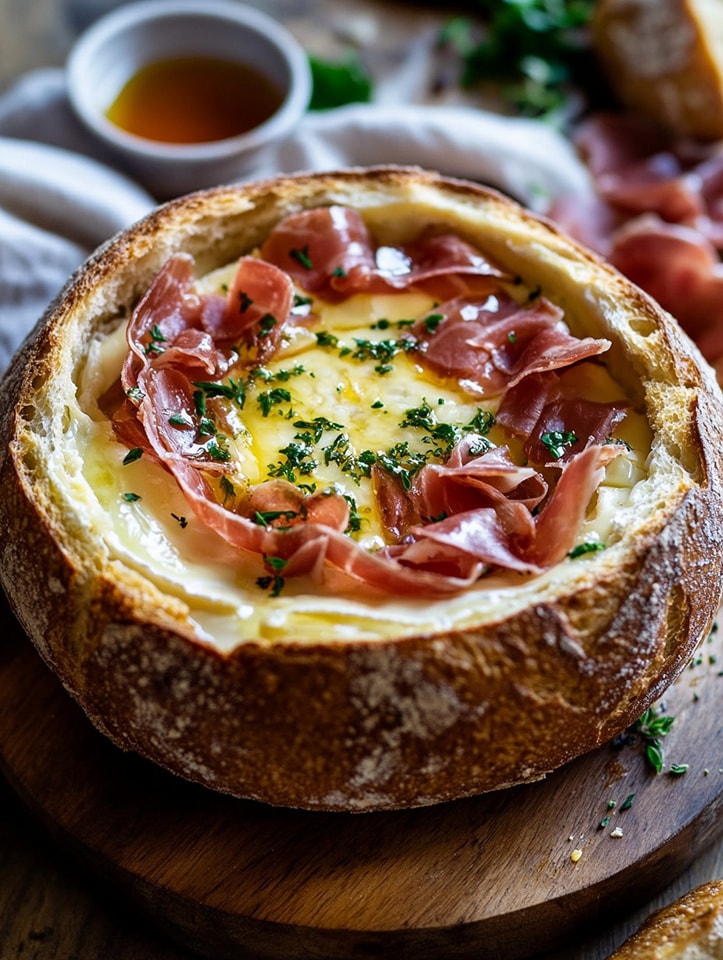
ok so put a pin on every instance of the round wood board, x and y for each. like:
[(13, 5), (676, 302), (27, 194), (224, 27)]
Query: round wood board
[(487, 877)]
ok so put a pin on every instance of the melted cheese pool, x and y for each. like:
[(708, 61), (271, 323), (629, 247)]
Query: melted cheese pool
[(309, 416)]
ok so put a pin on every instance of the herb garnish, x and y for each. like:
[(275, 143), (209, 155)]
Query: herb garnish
[(266, 324), (135, 453), (446, 435), (317, 426), (265, 518), (403, 462), (245, 301), (558, 442), (269, 398), (355, 518), (157, 338), (325, 339), (433, 321), (216, 451), (302, 257), (650, 728), (227, 488), (180, 419), (274, 583), (677, 769), (536, 48), (590, 546), (298, 458), (234, 390)]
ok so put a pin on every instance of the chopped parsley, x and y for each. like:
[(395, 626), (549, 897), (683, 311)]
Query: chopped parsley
[(180, 419), (233, 390), (326, 339), (317, 426), (402, 462), (677, 769), (590, 546), (270, 398), (157, 338), (266, 518), (216, 451), (135, 453), (380, 350), (266, 324), (558, 442), (199, 402), (302, 257), (227, 488), (130, 497), (355, 518), (298, 458), (275, 582), (245, 301), (444, 436), (433, 321)]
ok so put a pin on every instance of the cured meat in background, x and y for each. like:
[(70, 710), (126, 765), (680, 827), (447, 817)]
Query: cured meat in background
[(656, 215)]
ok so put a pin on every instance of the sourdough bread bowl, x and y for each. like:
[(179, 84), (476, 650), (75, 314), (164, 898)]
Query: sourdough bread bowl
[(221, 614)]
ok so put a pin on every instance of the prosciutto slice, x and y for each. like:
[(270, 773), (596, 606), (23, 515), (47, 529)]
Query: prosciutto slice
[(538, 408), (329, 250), (502, 532), (491, 344), (657, 215)]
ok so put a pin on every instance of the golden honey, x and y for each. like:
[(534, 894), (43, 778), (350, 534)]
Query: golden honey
[(194, 100)]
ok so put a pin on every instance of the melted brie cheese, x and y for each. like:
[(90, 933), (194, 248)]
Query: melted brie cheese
[(334, 405)]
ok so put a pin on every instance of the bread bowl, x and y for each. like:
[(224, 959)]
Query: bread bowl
[(275, 656), (664, 58), (690, 928)]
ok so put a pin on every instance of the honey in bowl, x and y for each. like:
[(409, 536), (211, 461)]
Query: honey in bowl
[(194, 100)]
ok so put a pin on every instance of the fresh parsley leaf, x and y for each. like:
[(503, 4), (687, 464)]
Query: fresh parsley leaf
[(558, 442), (135, 453)]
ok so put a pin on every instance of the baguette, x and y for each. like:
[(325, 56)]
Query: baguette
[(690, 928), (664, 58), (273, 655)]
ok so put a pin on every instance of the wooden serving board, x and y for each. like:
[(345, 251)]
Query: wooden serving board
[(488, 877)]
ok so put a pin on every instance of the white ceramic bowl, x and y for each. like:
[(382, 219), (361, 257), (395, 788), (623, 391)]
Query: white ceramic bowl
[(114, 48)]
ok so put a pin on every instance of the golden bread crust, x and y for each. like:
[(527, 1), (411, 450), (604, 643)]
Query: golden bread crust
[(665, 59), (690, 928), (395, 720)]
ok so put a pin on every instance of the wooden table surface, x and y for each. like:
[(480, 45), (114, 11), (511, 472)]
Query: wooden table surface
[(49, 908)]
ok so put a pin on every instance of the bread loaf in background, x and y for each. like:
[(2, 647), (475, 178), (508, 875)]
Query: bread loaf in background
[(664, 58), (690, 928)]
